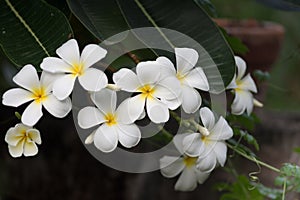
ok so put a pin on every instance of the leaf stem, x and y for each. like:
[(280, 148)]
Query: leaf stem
[(252, 158), (284, 189)]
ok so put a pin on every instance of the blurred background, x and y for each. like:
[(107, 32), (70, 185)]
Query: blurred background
[(63, 168)]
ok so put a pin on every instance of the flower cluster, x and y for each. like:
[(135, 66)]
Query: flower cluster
[(51, 91), (156, 87)]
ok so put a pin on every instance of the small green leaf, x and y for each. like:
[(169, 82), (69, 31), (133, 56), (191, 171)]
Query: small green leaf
[(235, 43), (261, 76), (31, 30)]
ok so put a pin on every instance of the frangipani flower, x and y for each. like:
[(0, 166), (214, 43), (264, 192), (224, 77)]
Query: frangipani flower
[(243, 87), (209, 143), (171, 166), (22, 139), (74, 65), (188, 75), (114, 123), (154, 89), (37, 90)]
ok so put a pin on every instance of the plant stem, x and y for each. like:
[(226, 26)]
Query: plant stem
[(252, 158), (284, 189)]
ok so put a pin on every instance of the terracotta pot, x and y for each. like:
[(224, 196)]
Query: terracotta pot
[(263, 39)]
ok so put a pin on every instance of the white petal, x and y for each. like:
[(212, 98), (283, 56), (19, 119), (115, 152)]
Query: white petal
[(172, 104), (30, 149), (55, 65), (89, 117), (221, 130), (34, 135), (32, 114), (178, 141), (220, 150), (148, 72), (123, 113), (63, 86), (56, 107), (91, 54), (208, 163), (201, 176), (167, 68), (93, 79), (106, 138), (191, 99), (241, 67), (192, 144), (243, 100), (16, 151), (27, 78), (129, 135), (187, 180), (126, 79), (232, 84), (207, 118), (12, 136), (69, 52), (48, 79), (186, 59), (247, 83), (105, 100), (197, 79), (16, 97), (157, 111), (168, 88), (90, 138), (171, 166), (136, 106)]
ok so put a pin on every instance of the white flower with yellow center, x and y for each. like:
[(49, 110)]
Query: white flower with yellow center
[(114, 123), (74, 65), (209, 143), (171, 166), (157, 91), (38, 91), (189, 76), (243, 88), (22, 139)]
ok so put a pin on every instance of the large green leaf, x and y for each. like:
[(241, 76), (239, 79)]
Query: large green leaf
[(102, 17), (31, 30), (188, 18)]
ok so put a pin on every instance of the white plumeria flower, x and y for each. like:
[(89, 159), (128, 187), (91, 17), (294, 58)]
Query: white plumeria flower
[(209, 143), (114, 123), (74, 65), (40, 91), (243, 88), (22, 139), (189, 76), (156, 90), (171, 166)]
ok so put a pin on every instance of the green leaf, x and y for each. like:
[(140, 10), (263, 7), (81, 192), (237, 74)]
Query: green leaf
[(31, 30), (103, 18), (241, 190), (208, 6), (188, 18), (247, 137), (235, 43)]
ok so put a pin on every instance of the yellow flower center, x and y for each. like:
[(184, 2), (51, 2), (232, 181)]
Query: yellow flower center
[(24, 136), (39, 95), (180, 76), (239, 85), (110, 119), (146, 90), (77, 69), (189, 161)]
